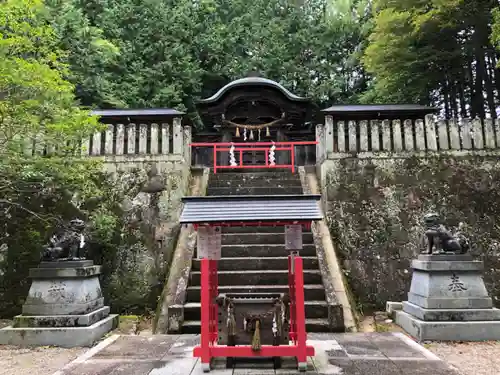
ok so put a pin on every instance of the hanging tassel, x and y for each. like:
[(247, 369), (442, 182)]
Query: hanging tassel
[(256, 337), (237, 132), (251, 135), (268, 133), (259, 134)]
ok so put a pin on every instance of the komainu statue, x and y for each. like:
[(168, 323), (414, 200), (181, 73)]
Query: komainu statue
[(440, 240), (67, 245)]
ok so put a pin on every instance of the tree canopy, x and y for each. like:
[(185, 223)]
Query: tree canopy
[(123, 53), (434, 52), (44, 185), (169, 53)]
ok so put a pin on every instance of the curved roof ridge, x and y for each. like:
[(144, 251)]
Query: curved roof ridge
[(252, 81)]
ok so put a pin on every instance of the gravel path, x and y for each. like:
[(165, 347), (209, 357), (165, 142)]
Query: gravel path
[(470, 358), (36, 361), (47, 360)]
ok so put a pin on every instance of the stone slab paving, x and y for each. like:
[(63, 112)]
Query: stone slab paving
[(342, 354)]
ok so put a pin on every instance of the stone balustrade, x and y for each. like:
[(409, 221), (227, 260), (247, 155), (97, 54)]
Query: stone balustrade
[(392, 138)]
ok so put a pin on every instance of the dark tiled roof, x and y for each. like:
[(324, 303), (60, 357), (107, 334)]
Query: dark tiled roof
[(136, 112), (380, 108), (250, 208)]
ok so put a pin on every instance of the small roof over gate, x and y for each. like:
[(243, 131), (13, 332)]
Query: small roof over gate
[(250, 208), (136, 115), (378, 111)]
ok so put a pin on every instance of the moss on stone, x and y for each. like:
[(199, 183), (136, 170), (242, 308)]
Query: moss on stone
[(134, 245), (374, 211)]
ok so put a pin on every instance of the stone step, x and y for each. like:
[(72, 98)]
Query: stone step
[(271, 190), (262, 182), (253, 263), (314, 310), (312, 325), (317, 325), (261, 238), (253, 230), (278, 277), (254, 174), (311, 291), (276, 250)]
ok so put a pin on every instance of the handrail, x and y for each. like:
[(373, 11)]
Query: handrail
[(208, 144), (240, 147)]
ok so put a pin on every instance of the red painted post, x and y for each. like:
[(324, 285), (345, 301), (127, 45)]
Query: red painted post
[(215, 158), (300, 314), (205, 312), (292, 157), (241, 158), (211, 307), (215, 293), (291, 292)]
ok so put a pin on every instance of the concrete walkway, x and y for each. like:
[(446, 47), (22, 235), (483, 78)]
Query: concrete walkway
[(342, 354)]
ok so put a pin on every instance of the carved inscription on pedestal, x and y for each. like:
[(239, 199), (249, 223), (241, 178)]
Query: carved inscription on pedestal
[(456, 285)]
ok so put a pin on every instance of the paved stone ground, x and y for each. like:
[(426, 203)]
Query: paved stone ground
[(342, 354)]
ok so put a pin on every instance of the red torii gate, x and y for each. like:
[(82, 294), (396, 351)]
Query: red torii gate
[(231, 211)]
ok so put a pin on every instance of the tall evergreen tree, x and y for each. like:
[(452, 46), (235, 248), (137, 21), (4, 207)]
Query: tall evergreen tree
[(434, 52), (168, 53)]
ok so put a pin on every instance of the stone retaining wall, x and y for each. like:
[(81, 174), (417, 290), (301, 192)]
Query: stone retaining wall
[(375, 204)]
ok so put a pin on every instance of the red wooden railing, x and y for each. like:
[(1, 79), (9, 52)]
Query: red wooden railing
[(241, 147)]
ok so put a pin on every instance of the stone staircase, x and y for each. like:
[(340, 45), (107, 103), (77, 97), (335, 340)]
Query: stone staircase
[(254, 259)]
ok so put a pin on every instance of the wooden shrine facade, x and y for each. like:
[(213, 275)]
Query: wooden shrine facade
[(256, 109)]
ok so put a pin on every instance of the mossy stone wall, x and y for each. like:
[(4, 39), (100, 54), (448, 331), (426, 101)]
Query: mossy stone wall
[(374, 208)]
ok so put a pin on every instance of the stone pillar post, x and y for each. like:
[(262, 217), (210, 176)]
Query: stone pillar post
[(187, 139), (329, 149), (178, 136), (320, 147)]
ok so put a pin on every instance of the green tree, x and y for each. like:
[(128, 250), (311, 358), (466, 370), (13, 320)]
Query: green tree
[(155, 67), (434, 52), (173, 52), (89, 54), (43, 186), (300, 44)]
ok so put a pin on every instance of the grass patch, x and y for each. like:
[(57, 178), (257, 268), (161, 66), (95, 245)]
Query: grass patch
[(382, 328), (134, 324)]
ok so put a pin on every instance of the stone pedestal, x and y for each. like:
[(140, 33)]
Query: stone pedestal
[(64, 308), (448, 301)]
